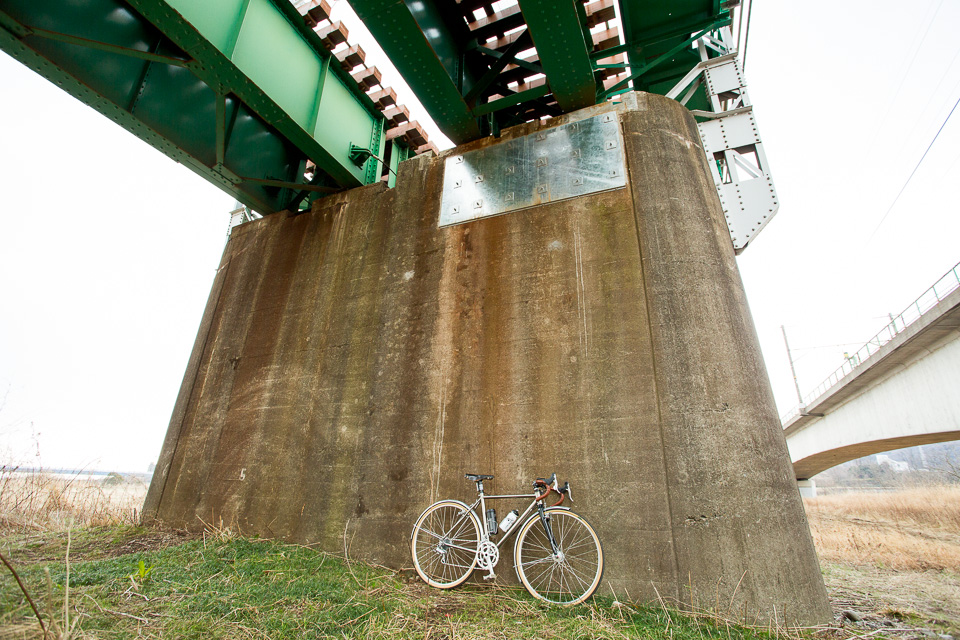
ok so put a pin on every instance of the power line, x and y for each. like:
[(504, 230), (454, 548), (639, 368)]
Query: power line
[(912, 173), (906, 73)]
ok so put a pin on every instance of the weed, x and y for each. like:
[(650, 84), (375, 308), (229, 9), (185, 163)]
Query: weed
[(914, 529), (240, 588), (35, 501)]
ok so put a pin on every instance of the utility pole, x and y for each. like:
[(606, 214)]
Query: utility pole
[(803, 407)]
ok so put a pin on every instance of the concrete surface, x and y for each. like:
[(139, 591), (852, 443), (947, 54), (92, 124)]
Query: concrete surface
[(912, 404), (354, 362)]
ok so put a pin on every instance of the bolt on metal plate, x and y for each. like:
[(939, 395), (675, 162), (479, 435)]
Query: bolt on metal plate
[(550, 165)]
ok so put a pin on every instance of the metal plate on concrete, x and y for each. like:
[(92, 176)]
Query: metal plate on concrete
[(555, 164)]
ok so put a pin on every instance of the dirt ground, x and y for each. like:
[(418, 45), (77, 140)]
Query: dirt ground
[(891, 562), (920, 603)]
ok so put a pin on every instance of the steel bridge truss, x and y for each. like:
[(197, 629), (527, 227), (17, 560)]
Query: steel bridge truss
[(268, 100), (244, 92), (481, 65)]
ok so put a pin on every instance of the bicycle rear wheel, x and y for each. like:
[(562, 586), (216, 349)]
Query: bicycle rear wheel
[(444, 543), (568, 577)]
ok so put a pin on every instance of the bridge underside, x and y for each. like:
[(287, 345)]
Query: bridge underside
[(905, 397), (812, 465), (355, 361)]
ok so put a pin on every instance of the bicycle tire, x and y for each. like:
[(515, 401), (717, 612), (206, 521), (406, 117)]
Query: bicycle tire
[(444, 543), (566, 580)]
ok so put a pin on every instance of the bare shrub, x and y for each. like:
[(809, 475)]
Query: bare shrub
[(38, 500)]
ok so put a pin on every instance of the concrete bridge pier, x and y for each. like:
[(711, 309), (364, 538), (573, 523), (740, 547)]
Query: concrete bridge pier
[(355, 361), (808, 488)]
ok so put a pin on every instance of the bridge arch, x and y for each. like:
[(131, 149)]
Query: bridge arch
[(810, 466), (905, 397)]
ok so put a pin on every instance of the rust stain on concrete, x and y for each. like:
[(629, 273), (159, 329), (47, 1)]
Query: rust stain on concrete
[(353, 362)]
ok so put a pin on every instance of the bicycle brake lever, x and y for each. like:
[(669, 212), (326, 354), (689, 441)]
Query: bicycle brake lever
[(567, 491)]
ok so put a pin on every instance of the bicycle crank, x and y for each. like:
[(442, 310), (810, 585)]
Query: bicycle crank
[(488, 555)]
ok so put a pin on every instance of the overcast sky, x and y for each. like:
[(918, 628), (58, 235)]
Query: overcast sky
[(108, 248)]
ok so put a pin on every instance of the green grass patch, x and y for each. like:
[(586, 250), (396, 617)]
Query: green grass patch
[(240, 588)]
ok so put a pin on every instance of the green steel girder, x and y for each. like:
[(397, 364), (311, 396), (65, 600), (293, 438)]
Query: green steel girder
[(501, 61), (427, 48), (657, 36), (460, 73), (564, 49), (640, 18), (660, 61), (245, 94), (241, 91)]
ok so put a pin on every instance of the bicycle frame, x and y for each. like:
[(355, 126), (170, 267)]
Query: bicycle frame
[(561, 565), (505, 534)]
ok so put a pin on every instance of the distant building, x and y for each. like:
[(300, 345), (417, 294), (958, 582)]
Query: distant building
[(896, 465)]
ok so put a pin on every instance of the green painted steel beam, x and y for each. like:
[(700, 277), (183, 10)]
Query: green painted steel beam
[(426, 47), (564, 50), (641, 17), (241, 91), (512, 100), (657, 34), (644, 68), (260, 51)]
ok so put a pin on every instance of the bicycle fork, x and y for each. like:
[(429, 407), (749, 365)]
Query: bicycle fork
[(545, 520)]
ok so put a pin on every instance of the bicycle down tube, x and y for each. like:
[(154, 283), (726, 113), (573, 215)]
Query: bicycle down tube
[(557, 554)]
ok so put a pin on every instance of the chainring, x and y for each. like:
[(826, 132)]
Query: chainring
[(488, 555)]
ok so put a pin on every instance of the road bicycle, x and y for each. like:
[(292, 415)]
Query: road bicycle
[(556, 554)]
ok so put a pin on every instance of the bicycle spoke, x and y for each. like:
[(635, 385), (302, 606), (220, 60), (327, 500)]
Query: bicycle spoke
[(444, 544), (570, 575)]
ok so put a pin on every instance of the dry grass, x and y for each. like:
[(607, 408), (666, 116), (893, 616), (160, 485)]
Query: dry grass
[(41, 501), (894, 557), (932, 506), (914, 529)]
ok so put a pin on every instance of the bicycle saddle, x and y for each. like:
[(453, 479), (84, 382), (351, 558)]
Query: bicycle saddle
[(475, 477)]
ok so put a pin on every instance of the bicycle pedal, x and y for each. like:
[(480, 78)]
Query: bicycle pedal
[(490, 576)]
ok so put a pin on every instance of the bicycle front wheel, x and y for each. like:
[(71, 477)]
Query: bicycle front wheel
[(572, 573), (444, 543)]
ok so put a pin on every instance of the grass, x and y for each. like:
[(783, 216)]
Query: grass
[(893, 556), (41, 501), (224, 587), (914, 529), (94, 573)]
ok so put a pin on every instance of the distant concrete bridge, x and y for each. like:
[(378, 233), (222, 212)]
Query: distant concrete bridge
[(901, 389)]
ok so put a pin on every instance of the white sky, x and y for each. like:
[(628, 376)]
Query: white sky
[(108, 248)]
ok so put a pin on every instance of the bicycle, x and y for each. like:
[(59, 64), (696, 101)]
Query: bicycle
[(556, 554)]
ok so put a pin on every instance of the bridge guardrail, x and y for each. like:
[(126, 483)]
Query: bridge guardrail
[(927, 301)]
